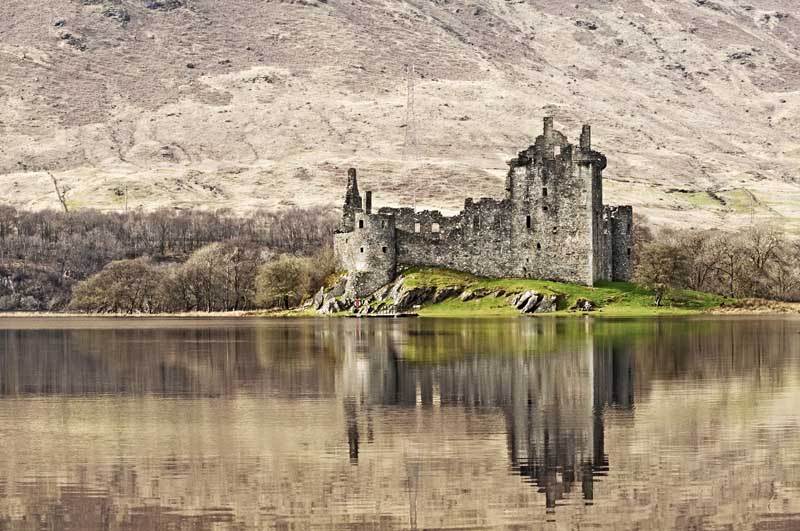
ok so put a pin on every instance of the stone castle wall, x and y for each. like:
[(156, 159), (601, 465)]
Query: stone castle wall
[(552, 224), (622, 240)]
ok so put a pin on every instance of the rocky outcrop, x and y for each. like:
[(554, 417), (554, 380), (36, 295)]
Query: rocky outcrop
[(583, 305), (535, 302), (398, 297), (331, 300)]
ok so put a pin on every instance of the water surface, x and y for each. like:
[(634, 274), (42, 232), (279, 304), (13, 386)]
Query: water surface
[(400, 424)]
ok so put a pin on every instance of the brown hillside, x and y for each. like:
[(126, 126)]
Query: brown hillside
[(245, 103)]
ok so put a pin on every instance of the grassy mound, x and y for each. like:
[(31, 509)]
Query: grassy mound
[(611, 298)]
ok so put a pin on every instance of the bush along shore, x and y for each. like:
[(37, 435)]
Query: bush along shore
[(444, 293)]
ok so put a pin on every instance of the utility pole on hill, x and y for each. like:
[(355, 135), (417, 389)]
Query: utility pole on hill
[(410, 143)]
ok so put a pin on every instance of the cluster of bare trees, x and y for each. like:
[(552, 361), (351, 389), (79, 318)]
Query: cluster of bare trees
[(44, 254), (218, 277), (757, 262)]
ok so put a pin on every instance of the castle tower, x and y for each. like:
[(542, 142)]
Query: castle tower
[(365, 243), (555, 192), (369, 253), (352, 201)]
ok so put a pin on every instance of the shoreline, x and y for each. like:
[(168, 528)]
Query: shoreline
[(771, 310)]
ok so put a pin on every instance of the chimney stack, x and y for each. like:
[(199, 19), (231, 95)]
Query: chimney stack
[(548, 125), (368, 207), (586, 138)]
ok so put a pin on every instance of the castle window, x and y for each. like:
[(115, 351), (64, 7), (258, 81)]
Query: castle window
[(544, 207), (629, 228), (362, 249), (435, 227), (544, 192), (417, 228), (629, 252), (476, 223), (384, 250), (528, 222), (383, 223), (538, 246), (360, 223)]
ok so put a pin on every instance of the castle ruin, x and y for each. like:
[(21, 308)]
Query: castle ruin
[(552, 225)]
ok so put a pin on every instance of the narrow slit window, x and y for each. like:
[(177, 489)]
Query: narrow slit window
[(362, 249), (544, 192), (544, 207), (383, 224), (476, 223), (417, 227), (538, 246), (629, 252), (360, 223), (435, 227), (528, 222), (629, 227), (385, 249)]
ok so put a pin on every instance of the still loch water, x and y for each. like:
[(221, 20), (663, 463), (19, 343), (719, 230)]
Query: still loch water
[(400, 424)]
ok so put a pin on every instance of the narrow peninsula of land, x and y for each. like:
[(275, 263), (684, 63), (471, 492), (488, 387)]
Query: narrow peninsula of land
[(435, 292)]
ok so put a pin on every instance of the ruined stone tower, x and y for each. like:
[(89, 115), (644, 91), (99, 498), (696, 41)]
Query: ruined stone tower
[(552, 224), (366, 244)]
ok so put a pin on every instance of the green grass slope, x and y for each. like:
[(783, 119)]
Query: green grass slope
[(611, 298)]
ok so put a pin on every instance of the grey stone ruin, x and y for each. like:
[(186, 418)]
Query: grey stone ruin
[(551, 224)]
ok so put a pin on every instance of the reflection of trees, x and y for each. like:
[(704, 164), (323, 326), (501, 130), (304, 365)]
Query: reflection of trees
[(196, 362), (307, 358)]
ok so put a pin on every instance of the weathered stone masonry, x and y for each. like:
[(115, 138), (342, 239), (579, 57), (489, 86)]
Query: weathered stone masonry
[(552, 224)]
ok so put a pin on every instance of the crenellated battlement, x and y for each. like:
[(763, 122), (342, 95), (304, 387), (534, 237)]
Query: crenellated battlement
[(552, 224)]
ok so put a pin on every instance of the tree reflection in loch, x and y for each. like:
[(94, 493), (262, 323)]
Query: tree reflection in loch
[(397, 424)]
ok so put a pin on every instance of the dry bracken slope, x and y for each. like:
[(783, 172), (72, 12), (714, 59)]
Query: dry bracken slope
[(248, 103)]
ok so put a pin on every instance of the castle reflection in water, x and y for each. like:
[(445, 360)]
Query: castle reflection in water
[(553, 404)]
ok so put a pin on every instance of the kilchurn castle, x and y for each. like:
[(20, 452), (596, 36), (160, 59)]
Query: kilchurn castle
[(551, 224)]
